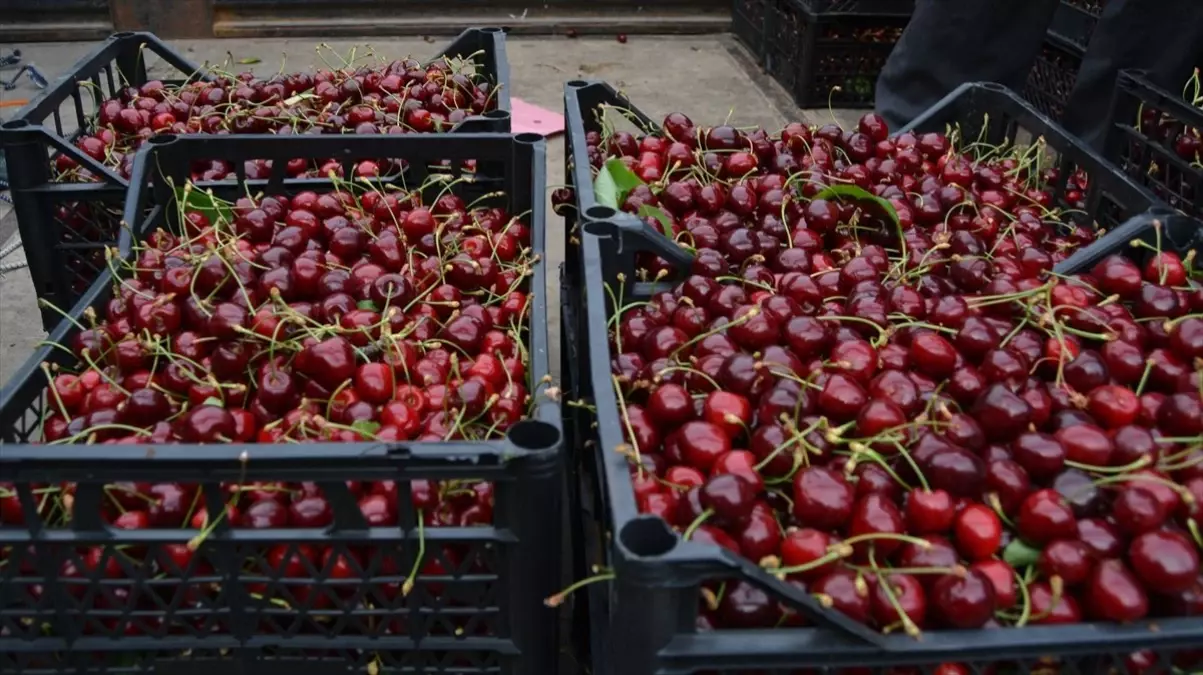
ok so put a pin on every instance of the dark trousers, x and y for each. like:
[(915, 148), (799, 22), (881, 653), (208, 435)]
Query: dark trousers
[(950, 42)]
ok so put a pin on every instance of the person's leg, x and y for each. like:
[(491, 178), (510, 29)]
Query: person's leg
[(950, 42), (1163, 37)]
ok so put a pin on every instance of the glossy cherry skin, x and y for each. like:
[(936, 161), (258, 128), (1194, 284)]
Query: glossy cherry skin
[(823, 499), (977, 532), (1165, 561), (1113, 593), (963, 601), (1044, 517)]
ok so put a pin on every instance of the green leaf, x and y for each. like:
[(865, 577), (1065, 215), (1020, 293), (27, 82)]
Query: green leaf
[(368, 305), (250, 60), (605, 189), (214, 401), (857, 193), (650, 211), (623, 177), (366, 427), (200, 201), (1019, 554), (613, 183)]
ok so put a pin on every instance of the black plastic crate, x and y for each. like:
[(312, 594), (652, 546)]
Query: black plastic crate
[(1075, 21), (650, 608), (65, 224), (1178, 234), (588, 106), (823, 52), (995, 114), (1151, 138), (1053, 75), (747, 23), (979, 112), (71, 600)]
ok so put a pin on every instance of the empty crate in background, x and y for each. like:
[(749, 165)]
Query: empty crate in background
[(822, 52), (1155, 138)]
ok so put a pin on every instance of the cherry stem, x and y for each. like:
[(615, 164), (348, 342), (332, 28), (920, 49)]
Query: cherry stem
[(686, 369), (906, 455), (559, 598), (747, 316), (1058, 589), (1144, 377), (1025, 614), (873, 536), (781, 448), (196, 497), (697, 522), (987, 300), (995, 503), (62, 408), (1140, 463), (195, 542), (883, 583), (626, 421), (1183, 493), (835, 553), (909, 570), (101, 427), (881, 332), (861, 450), (408, 586)]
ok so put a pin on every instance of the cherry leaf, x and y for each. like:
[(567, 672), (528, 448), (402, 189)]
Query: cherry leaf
[(860, 194), (613, 183), (366, 427), (195, 199), (1019, 554), (650, 211)]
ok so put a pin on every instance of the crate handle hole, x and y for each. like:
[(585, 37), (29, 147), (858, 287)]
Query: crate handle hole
[(497, 115), (16, 124), (648, 537), (123, 34), (577, 84), (492, 29), (528, 137), (162, 139), (600, 213), (534, 436)]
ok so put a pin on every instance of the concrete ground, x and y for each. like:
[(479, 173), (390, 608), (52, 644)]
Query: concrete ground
[(710, 78)]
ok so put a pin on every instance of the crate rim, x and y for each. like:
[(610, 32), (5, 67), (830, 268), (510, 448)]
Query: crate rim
[(924, 122), (1138, 81)]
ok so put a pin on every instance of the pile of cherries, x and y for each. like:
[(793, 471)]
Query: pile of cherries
[(917, 422), (742, 196), (403, 96), (350, 316)]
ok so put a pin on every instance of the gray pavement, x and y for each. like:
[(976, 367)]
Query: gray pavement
[(710, 78)]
